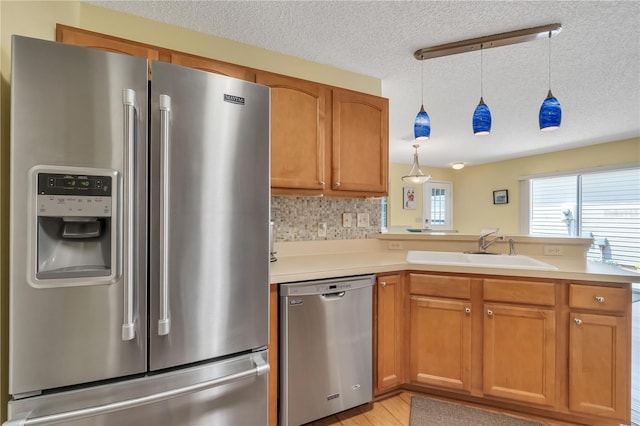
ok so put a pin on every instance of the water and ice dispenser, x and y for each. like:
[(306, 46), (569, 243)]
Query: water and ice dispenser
[(75, 226)]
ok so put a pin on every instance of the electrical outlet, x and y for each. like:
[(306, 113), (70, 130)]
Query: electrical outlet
[(322, 229), (395, 245), (363, 220), (347, 220), (552, 250)]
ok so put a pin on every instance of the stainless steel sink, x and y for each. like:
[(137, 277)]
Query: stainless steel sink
[(479, 260)]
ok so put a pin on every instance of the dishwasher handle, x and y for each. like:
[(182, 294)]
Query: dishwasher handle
[(330, 296)]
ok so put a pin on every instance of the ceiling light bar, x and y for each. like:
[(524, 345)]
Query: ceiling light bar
[(487, 42)]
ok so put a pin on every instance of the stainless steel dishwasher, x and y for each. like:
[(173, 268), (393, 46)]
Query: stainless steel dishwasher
[(325, 347)]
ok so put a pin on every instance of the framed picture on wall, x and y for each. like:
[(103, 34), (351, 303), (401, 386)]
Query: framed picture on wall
[(409, 198), (501, 196)]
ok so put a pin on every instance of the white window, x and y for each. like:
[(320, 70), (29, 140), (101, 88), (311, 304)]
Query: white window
[(437, 205), (603, 205)]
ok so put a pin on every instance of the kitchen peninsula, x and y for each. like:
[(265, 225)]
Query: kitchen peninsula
[(553, 343)]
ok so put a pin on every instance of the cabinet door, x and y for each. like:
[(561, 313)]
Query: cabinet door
[(211, 65), (599, 365), (389, 333), (360, 145), (299, 128), (79, 37), (440, 342), (520, 353)]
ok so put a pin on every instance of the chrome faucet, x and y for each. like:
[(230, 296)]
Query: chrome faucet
[(484, 243)]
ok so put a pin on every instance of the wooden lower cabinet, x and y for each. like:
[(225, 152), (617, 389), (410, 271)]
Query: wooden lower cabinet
[(519, 357), (389, 333), (440, 342), (599, 351)]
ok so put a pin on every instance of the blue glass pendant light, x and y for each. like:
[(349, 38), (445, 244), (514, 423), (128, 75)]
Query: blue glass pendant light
[(481, 119), (422, 125), (550, 114), (482, 114)]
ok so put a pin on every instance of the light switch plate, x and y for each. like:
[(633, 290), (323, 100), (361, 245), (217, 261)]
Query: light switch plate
[(363, 220), (347, 220), (322, 229)]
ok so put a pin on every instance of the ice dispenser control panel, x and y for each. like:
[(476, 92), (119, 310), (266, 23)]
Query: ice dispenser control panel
[(74, 195)]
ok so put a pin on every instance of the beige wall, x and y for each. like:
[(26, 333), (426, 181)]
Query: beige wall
[(473, 186), (397, 216)]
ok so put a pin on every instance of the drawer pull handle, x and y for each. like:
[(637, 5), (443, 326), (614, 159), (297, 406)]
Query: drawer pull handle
[(489, 312), (599, 299), (578, 321), (383, 284), (467, 310)]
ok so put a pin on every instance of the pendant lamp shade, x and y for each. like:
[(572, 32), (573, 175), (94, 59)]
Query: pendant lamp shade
[(422, 126), (550, 114), (416, 175), (481, 119)]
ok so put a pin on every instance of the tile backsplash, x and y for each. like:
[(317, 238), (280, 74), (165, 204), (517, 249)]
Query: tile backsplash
[(297, 218)]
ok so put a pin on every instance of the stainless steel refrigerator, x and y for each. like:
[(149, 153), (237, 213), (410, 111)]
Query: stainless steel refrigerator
[(139, 242)]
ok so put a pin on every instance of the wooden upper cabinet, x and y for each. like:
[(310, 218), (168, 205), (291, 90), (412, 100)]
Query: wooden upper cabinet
[(211, 65), (79, 37), (360, 145), (299, 128)]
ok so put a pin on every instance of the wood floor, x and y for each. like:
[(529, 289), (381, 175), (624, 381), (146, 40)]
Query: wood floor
[(395, 410)]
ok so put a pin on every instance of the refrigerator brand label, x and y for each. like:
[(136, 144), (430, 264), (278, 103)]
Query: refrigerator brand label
[(234, 99), (334, 396)]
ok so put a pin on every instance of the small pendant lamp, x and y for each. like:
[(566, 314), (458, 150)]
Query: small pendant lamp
[(422, 125), (550, 114), (482, 114), (416, 175)]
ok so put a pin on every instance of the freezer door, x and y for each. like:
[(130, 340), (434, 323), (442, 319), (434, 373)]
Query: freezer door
[(210, 200), (229, 392), (76, 110)]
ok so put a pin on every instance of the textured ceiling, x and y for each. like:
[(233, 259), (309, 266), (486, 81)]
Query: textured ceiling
[(595, 64)]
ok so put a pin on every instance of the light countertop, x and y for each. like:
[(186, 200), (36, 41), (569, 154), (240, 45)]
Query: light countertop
[(302, 261)]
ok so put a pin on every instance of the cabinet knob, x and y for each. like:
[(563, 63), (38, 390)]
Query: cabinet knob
[(336, 184), (383, 284), (467, 310), (489, 312), (322, 183), (599, 299), (578, 321)]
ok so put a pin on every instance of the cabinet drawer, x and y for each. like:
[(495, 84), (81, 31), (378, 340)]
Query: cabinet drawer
[(440, 286), (598, 298), (515, 291)]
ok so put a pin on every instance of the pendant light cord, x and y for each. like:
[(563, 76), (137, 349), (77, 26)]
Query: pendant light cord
[(481, 72), (549, 60), (422, 82)]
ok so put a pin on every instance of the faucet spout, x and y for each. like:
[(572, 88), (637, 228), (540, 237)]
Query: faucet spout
[(484, 242)]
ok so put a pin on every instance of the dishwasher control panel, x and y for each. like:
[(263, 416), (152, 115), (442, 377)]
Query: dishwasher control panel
[(320, 289), (328, 286)]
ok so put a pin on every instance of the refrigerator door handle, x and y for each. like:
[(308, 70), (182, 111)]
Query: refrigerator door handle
[(164, 322), (261, 368), (129, 101)]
